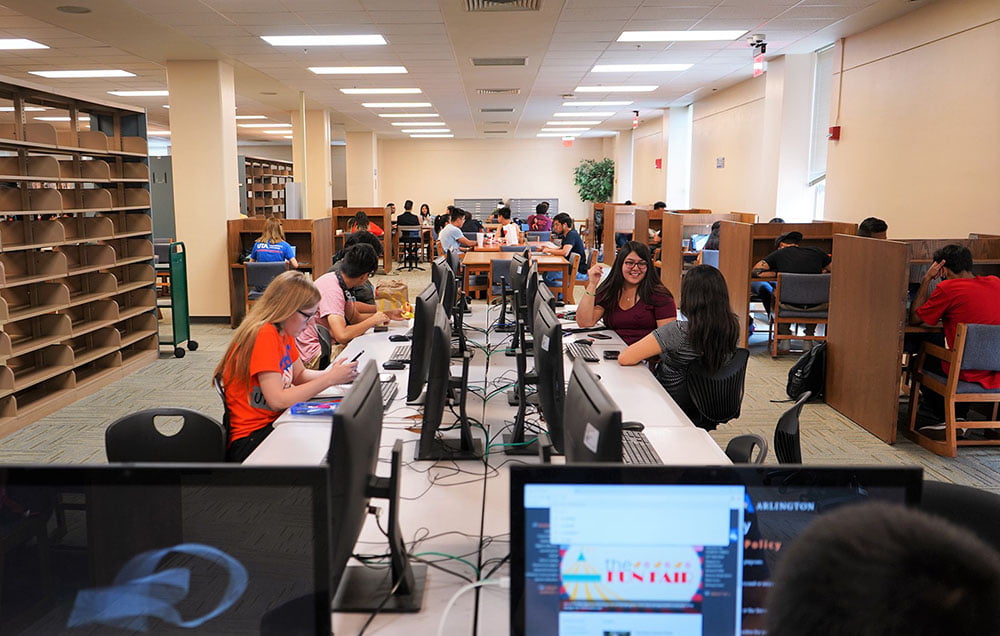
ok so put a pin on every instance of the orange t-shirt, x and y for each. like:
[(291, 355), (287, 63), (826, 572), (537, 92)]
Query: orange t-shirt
[(248, 410)]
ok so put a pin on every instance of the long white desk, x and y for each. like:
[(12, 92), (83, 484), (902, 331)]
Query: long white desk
[(450, 499)]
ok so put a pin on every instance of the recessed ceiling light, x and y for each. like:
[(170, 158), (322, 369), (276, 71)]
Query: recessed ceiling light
[(72, 8), (545, 134), (280, 131), (78, 118), (156, 93), (638, 68), (573, 123), (407, 115), (432, 136), (27, 109), (380, 91), (269, 93), (78, 74), (596, 103), (251, 117), (18, 44), (396, 104), (358, 70), (423, 131), (591, 114), (323, 40), (616, 89), (264, 125), (160, 133), (418, 123), (678, 36), (563, 131)]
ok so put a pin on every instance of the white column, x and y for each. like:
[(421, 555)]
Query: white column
[(678, 169), (623, 167), (785, 158), (362, 169), (312, 161)]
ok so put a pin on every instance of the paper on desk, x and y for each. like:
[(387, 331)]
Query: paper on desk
[(337, 390)]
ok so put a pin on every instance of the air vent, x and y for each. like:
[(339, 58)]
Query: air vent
[(498, 91), (498, 61), (502, 5), (496, 110), (497, 123), (496, 132)]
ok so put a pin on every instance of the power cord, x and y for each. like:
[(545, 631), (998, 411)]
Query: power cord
[(503, 582)]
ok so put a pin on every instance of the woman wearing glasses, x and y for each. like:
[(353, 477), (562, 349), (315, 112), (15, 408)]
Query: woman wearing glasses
[(632, 301), (261, 370)]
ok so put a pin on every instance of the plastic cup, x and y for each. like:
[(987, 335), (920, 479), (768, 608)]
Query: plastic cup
[(479, 239)]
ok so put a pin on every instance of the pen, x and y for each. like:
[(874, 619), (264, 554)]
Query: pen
[(355, 358)]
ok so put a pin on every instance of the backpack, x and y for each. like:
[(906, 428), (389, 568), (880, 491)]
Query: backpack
[(808, 373)]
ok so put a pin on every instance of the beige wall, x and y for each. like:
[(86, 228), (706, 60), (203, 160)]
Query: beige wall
[(278, 153), (338, 168), (438, 171), (920, 117), (648, 183)]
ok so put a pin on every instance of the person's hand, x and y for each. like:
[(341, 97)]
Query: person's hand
[(395, 314), (934, 271), (379, 318), (341, 372), (594, 274)]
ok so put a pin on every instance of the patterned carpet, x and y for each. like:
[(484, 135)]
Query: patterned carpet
[(75, 434)]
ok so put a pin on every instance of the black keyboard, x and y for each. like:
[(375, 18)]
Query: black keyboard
[(636, 449), (582, 351), (401, 353), (389, 390)]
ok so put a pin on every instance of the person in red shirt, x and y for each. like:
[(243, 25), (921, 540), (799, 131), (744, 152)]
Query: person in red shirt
[(261, 370)]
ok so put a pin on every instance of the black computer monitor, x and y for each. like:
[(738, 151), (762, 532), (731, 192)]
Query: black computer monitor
[(444, 280), (353, 458), (543, 296), (592, 422), (517, 276), (549, 371), (423, 326), (439, 383), (455, 263), (222, 548)]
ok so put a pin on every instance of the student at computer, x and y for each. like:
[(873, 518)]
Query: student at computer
[(362, 222), (709, 333), (789, 257), (261, 370), (271, 246), (632, 301), (507, 227), (450, 236), (364, 294), (658, 237), (562, 227)]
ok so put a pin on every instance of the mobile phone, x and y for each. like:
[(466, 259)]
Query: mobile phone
[(599, 336), (355, 358), (611, 354)]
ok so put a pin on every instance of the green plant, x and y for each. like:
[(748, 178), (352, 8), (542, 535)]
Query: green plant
[(595, 180)]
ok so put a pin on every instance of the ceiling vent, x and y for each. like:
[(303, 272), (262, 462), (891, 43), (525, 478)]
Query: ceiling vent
[(496, 110), (497, 123), (502, 5), (495, 132), (498, 91), (499, 61)]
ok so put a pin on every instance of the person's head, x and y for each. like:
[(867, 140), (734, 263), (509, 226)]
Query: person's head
[(288, 303), (542, 208), (408, 206), (777, 219), (955, 258), (503, 215), (788, 239), (716, 227), (366, 237), (390, 208), (272, 231), (873, 228), (546, 204), (562, 223), (457, 216), (659, 205), (425, 209), (633, 266), (360, 221), (876, 568), (360, 262), (713, 328), (629, 202)]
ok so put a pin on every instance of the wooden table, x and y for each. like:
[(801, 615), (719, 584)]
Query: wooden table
[(495, 246), (478, 264)]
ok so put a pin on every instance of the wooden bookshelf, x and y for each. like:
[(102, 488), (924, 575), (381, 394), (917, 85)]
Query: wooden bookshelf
[(264, 186), (342, 217), (75, 252)]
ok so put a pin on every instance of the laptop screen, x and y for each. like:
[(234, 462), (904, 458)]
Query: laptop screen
[(180, 549), (602, 550)]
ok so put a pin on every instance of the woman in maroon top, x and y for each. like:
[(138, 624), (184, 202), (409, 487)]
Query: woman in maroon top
[(632, 301)]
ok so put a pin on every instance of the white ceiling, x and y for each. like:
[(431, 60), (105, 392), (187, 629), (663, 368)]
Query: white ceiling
[(435, 40)]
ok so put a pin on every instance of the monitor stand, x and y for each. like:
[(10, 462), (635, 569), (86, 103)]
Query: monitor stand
[(515, 442), (466, 446)]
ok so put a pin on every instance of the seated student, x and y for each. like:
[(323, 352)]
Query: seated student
[(876, 569), (540, 221), (713, 237), (364, 295), (337, 310), (632, 301), (789, 257), (261, 370), (471, 225), (450, 236), (271, 246), (390, 210), (362, 222), (407, 217), (873, 228), (508, 228), (426, 219), (562, 226), (658, 237), (621, 238), (708, 333)]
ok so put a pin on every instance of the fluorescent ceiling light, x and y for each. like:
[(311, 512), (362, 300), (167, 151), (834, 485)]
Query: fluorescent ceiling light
[(380, 91), (167, 106), (432, 136), (251, 117), (543, 134), (264, 125), (288, 137), (424, 131), (418, 123), (573, 123), (78, 74), (609, 113), (638, 68), (160, 133), (563, 131), (78, 118), (406, 115), (616, 89), (323, 40), (678, 36), (358, 70), (27, 109), (159, 93), (280, 131), (396, 104), (16, 44), (596, 103)]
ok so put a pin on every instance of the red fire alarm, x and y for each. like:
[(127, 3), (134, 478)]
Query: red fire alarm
[(834, 134), (658, 163)]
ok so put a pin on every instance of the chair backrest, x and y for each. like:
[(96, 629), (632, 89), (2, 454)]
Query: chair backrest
[(161, 250), (740, 449), (804, 289), (409, 232), (511, 248), (135, 438), (971, 508), (325, 345), (982, 347), (260, 275), (574, 264), (472, 236), (499, 267), (538, 236), (221, 391), (787, 445), (719, 395), (710, 257)]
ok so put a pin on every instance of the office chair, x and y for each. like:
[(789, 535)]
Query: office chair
[(787, 445), (256, 278), (409, 241), (325, 345), (718, 396), (537, 236), (134, 438), (499, 269), (971, 508), (802, 299), (740, 449)]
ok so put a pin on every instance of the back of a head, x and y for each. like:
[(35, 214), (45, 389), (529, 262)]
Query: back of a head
[(659, 205), (542, 208), (359, 259), (957, 258), (885, 570), (408, 205), (457, 214), (366, 237), (777, 219), (504, 212), (788, 238), (872, 226)]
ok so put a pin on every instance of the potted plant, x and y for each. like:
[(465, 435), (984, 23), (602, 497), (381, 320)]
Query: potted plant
[(595, 181)]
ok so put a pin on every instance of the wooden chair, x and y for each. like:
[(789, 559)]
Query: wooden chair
[(787, 444), (574, 264), (591, 259), (801, 299), (976, 347), (135, 438)]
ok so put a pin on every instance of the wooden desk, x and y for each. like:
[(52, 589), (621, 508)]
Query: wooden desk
[(479, 263)]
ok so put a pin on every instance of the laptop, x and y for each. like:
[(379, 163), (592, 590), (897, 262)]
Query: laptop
[(610, 549), (166, 549)]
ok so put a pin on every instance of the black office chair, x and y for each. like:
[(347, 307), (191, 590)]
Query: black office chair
[(135, 438), (325, 346), (971, 508), (740, 449), (787, 445), (409, 242), (257, 276), (718, 396)]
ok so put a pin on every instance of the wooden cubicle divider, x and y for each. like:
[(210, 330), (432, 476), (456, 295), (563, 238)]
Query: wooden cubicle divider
[(342, 217), (676, 228), (623, 219)]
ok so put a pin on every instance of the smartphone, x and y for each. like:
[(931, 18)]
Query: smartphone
[(599, 336), (610, 354), (360, 353)]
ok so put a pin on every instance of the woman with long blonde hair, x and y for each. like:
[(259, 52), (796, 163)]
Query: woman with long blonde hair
[(271, 246), (261, 370)]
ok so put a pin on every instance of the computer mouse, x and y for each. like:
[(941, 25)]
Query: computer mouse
[(398, 337), (393, 365), (584, 341), (632, 426)]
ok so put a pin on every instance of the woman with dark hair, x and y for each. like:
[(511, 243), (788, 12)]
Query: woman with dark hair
[(632, 301), (709, 333), (713, 238), (362, 222), (426, 219)]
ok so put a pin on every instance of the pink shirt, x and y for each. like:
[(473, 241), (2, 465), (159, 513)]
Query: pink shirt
[(331, 303)]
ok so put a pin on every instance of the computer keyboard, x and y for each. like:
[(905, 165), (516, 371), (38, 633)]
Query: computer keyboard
[(401, 353), (582, 351), (636, 449), (389, 390)]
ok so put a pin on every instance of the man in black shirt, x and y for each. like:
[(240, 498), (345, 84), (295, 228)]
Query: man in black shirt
[(471, 224), (562, 225), (790, 257)]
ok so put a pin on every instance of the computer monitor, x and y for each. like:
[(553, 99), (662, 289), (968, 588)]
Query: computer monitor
[(423, 326), (666, 550), (543, 296), (353, 458), (530, 291), (518, 273), (439, 385), (455, 262), (592, 422), (178, 548), (444, 280), (698, 241), (549, 370)]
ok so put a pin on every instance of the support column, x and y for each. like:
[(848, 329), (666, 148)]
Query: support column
[(205, 176), (311, 161), (678, 172), (623, 167), (787, 119), (362, 169)]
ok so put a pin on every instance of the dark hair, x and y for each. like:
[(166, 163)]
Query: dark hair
[(360, 221), (366, 237), (713, 328), (504, 212), (456, 214), (713, 236), (546, 204), (408, 205), (629, 202), (957, 258), (876, 568), (422, 206), (650, 290), (659, 205), (872, 225), (440, 221), (359, 259), (777, 219), (542, 208), (390, 204), (788, 238), (564, 218)]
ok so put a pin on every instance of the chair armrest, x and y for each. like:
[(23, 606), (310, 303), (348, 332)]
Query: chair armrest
[(939, 352)]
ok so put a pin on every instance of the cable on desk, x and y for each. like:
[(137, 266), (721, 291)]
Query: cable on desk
[(503, 582), (498, 566)]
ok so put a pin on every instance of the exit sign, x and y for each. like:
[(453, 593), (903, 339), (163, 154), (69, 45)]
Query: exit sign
[(759, 65)]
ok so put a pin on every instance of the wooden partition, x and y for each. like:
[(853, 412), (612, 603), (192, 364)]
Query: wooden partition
[(342, 217), (677, 228), (638, 226)]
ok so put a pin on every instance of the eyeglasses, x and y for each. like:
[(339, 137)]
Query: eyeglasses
[(634, 264), (308, 315)]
